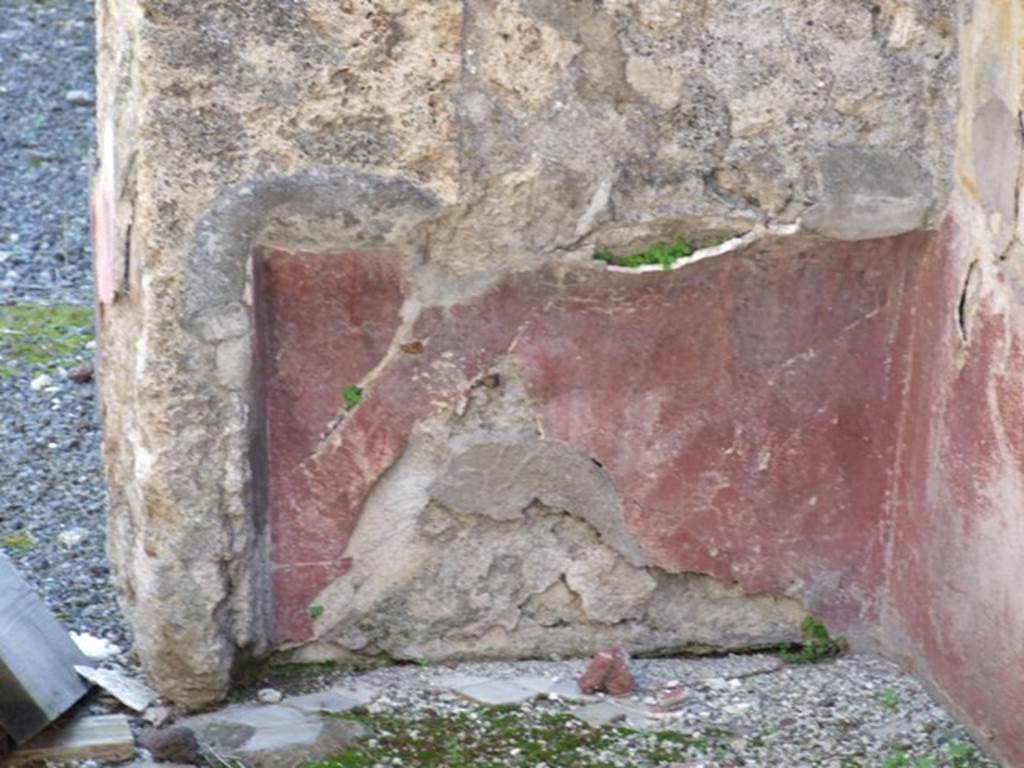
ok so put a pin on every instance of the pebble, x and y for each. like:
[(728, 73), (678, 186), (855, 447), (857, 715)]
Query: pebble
[(608, 672), (174, 744), (79, 98), (81, 374), (40, 382), (72, 537), (270, 696)]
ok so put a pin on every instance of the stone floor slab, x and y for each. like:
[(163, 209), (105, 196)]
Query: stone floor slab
[(547, 686), (452, 682), (278, 734), (603, 713), (496, 692), (325, 701)]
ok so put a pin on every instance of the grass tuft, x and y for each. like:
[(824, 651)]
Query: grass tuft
[(818, 644), (661, 253), (352, 395)]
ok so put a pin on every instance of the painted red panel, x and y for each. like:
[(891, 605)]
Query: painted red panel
[(744, 406), (956, 595), (325, 321)]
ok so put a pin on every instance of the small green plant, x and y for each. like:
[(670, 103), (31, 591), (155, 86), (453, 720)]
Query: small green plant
[(897, 758), (890, 700), (316, 611), (962, 755), (818, 644), (665, 254), (351, 395), (925, 762), (454, 754)]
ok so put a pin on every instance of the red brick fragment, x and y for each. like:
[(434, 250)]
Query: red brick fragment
[(609, 673)]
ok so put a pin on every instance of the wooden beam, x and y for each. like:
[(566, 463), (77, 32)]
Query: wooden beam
[(99, 737), (38, 682)]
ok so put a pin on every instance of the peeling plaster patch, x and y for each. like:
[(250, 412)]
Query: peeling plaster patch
[(513, 545), (497, 475), (759, 232), (537, 585)]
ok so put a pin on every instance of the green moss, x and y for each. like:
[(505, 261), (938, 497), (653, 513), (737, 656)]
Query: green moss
[(42, 335), (889, 700), (661, 253), (316, 611), (897, 758), (352, 395), (965, 756), (18, 541), (818, 644), (488, 739)]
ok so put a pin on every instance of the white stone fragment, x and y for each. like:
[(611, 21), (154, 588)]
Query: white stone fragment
[(133, 694), (96, 648)]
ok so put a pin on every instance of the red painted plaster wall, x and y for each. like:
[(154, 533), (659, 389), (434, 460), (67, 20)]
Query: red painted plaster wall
[(956, 585), (746, 407)]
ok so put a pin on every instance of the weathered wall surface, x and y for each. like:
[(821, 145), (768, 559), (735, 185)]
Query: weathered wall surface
[(672, 412), (551, 454), (956, 610)]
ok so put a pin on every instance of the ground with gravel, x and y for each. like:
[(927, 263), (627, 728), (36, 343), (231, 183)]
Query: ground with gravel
[(852, 712), (751, 710), (51, 487), (46, 110)]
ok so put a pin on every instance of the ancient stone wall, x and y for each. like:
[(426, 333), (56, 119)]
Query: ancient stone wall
[(366, 391)]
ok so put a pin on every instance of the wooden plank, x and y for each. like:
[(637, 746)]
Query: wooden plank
[(38, 682), (99, 737)]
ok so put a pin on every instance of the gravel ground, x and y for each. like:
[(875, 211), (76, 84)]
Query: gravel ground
[(855, 711), (52, 500), (751, 710), (51, 486), (46, 52)]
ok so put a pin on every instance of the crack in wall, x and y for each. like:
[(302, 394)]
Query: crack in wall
[(962, 308)]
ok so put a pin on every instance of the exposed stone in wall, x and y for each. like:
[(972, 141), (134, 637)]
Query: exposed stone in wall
[(485, 540), (469, 157)]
